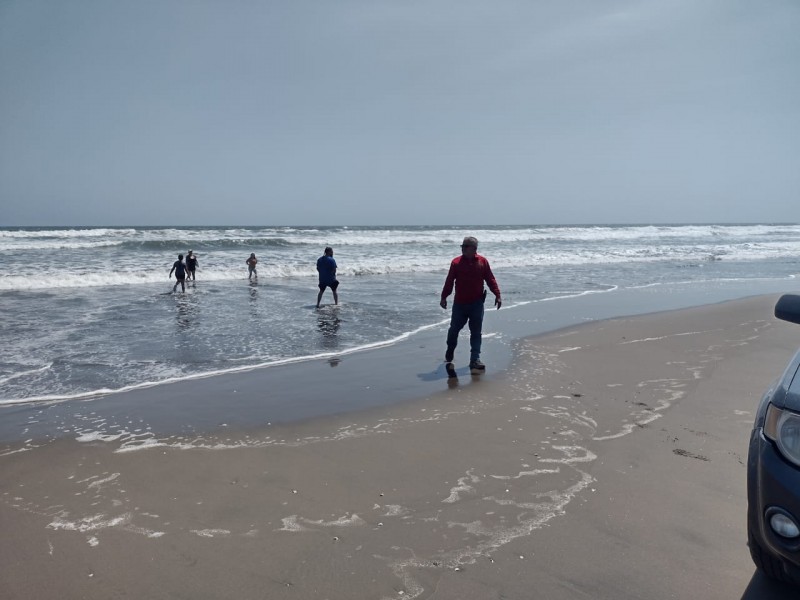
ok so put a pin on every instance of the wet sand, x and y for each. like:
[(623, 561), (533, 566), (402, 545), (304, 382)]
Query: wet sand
[(607, 462)]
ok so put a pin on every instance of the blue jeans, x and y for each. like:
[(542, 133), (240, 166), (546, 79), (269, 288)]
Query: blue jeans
[(463, 313)]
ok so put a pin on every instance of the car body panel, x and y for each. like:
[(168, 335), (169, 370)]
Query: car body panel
[(786, 392), (773, 482)]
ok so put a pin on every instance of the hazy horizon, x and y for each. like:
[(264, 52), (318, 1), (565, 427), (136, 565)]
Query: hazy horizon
[(383, 113), (399, 225)]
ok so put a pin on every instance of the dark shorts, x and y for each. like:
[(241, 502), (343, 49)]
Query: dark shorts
[(333, 286), (180, 277)]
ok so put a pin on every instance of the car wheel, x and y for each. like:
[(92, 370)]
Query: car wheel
[(766, 562)]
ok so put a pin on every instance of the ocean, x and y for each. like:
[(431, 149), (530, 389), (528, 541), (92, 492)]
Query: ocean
[(89, 311)]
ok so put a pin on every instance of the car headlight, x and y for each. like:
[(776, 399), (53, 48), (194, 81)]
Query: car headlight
[(783, 427)]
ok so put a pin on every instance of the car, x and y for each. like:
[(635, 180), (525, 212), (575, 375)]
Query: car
[(773, 469)]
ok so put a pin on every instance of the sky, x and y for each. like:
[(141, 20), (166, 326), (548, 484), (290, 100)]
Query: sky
[(398, 112)]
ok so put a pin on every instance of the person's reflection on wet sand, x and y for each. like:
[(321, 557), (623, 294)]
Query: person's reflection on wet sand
[(328, 323), (187, 310), (254, 299)]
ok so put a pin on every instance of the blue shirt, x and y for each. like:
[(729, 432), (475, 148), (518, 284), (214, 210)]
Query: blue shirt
[(327, 269), (179, 268)]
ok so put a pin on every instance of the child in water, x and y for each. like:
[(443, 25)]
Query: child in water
[(251, 265), (191, 265), (180, 273)]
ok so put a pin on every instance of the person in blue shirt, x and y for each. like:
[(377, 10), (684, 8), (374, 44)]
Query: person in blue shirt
[(179, 268), (326, 267)]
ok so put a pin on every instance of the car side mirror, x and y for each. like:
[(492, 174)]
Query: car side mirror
[(788, 308)]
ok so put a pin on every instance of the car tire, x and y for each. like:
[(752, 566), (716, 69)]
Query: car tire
[(766, 562)]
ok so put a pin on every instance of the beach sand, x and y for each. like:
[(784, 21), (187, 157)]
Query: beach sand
[(608, 462)]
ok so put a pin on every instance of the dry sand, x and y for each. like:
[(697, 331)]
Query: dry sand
[(609, 462)]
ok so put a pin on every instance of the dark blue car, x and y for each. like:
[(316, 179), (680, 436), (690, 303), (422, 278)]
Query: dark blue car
[(773, 470)]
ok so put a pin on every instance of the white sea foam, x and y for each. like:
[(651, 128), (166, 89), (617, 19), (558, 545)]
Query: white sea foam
[(210, 533), (395, 510), (572, 455), (63, 233), (663, 337), (54, 244), (25, 373), (142, 256), (489, 538), (464, 486), (531, 473), (97, 436), (292, 523), (92, 436), (93, 523), (101, 482)]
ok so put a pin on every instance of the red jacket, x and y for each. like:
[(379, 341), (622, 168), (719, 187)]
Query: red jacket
[(468, 276)]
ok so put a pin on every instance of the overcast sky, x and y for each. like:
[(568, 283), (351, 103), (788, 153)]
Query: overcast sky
[(354, 112)]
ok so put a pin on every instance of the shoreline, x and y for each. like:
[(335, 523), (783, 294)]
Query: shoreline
[(488, 489), (342, 383)]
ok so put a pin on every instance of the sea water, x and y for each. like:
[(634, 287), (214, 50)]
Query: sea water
[(87, 311)]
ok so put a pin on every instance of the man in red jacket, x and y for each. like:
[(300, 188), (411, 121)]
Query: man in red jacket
[(468, 272)]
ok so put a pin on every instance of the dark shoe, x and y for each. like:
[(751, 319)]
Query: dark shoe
[(477, 367), (448, 356), (451, 370)]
